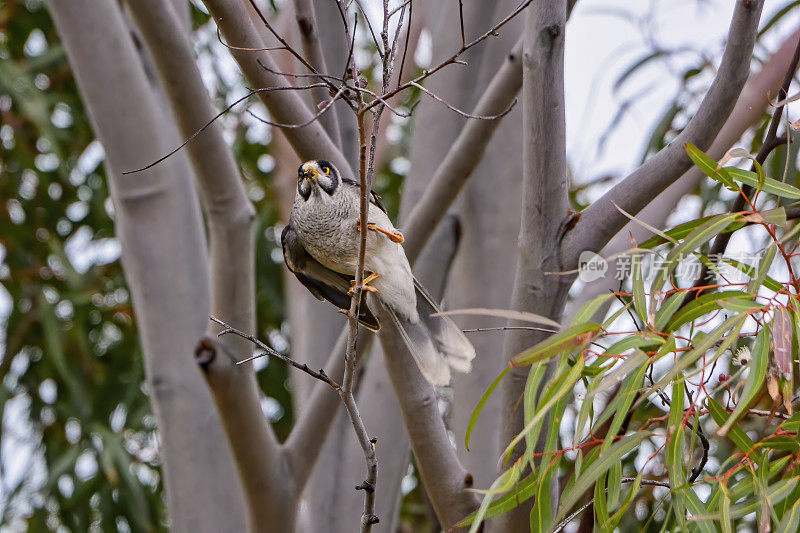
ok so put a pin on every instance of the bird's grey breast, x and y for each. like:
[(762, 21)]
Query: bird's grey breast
[(327, 228)]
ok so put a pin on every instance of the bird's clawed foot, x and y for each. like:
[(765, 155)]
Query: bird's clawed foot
[(393, 236), (364, 286)]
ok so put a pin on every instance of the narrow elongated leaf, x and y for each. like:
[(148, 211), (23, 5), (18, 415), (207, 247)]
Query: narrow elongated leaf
[(503, 483), (758, 370), (674, 453), (740, 305), (732, 324), (535, 394), (617, 516), (774, 494), (772, 186), (707, 231), (708, 166), (589, 475), (704, 304), (478, 408), (505, 313), (541, 514), (590, 308), (763, 268), (639, 340), (560, 388), (639, 304), (600, 501), (570, 338), (631, 363), (725, 509), (525, 489), (682, 230), (775, 216), (668, 309), (791, 519), (736, 434)]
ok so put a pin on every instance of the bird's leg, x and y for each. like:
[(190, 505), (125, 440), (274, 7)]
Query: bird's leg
[(364, 285), (393, 236)]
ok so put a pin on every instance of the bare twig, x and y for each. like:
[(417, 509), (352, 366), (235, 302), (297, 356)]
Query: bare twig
[(463, 156), (394, 11), (325, 106), (218, 115), (405, 46), (455, 57), (506, 328), (461, 20), (371, 31), (245, 49), (230, 330), (293, 75), (572, 517), (397, 112), (464, 113), (285, 44)]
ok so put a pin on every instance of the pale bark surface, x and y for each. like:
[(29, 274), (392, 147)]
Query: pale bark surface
[(158, 223), (544, 208)]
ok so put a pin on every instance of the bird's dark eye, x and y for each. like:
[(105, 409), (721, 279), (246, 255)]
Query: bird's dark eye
[(326, 169)]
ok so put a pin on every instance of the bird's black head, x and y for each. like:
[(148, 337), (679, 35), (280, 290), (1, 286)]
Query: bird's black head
[(317, 172)]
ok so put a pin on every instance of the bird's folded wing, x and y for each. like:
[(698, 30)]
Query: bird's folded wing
[(322, 282)]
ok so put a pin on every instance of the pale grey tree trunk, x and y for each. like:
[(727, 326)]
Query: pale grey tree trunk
[(544, 208), (158, 223)]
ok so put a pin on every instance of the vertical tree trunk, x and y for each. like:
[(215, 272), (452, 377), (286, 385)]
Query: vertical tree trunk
[(158, 223), (544, 206)]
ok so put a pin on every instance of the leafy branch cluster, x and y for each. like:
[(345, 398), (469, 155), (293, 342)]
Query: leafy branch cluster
[(719, 360)]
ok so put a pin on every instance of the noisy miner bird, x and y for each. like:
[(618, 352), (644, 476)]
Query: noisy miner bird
[(320, 246)]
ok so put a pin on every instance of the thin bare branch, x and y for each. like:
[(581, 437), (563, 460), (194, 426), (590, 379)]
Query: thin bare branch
[(285, 44), (294, 75), (306, 18), (230, 330), (461, 20), (464, 113), (652, 482), (397, 112), (371, 31), (463, 156), (325, 106), (287, 107), (218, 115), (408, 38), (770, 143), (507, 328), (405, 4), (454, 58), (244, 49)]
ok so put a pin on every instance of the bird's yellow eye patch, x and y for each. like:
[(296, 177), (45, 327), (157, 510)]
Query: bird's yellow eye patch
[(326, 170)]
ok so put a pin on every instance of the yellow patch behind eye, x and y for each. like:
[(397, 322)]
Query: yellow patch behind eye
[(326, 170)]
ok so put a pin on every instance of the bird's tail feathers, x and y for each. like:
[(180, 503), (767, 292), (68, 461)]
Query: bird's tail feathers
[(430, 361), (447, 337)]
